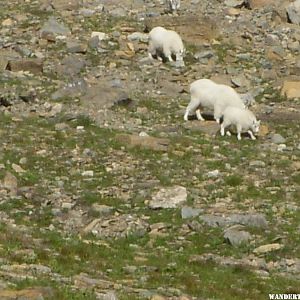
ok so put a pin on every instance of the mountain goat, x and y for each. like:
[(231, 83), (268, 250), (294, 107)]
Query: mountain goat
[(208, 94), (166, 42), (243, 119)]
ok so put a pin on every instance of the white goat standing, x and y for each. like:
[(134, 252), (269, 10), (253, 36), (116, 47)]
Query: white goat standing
[(208, 94), (173, 5), (167, 42), (243, 119)]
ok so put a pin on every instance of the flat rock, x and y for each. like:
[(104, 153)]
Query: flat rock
[(27, 294), (267, 248), (252, 220), (234, 3), (190, 212), (237, 237), (10, 182), (170, 197), (71, 65), (138, 36), (291, 89), (103, 95), (210, 128), (32, 65), (53, 28), (116, 227), (147, 142), (83, 281), (74, 46), (277, 138)]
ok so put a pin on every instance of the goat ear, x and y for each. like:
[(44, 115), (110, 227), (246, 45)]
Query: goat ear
[(258, 122)]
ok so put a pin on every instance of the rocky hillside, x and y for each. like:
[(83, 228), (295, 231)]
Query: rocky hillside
[(106, 193)]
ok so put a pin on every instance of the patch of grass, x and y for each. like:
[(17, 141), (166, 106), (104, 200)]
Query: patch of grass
[(233, 180)]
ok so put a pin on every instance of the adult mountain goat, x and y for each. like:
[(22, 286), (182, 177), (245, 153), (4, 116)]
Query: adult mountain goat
[(165, 42), (207, 94)]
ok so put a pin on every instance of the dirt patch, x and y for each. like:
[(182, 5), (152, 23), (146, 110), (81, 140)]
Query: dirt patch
[(193, 29)]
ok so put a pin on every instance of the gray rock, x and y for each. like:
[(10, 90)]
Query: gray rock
[(252, 220), (73, 89), (138, 36), (248, 99), (204, 55), (210, 128), (277, 138), (257, 164), (117, 227), (104, 95), (213, 174), (74, 46), (53, 28), (240, 80), (102, 209), (94, 42), (119, 12), (169, 197), (236, 237), (10, 183), (190, 212), (213, 221), (234, 3), (71, 65), (293, 11), (32, 65)]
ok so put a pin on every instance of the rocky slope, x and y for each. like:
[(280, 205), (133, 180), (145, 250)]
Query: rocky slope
[(106, 193)]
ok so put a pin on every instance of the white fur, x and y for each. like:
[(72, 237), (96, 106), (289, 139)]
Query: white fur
[(243, 119), (208, 94), (166, 41), (173, 5)]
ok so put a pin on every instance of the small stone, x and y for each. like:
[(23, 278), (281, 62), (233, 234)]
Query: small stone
[(102, 209), (61, 126), (138, 36), (234, 3), (236, 237), (32, 65), (267, 248), (204, 55), (23, 161), (89, 173), (76, 47), (257, 164), (277, 138), (10, 182), (100, 35), (53, 28), (7, 23), (18, 169), (169, 197), (213, 174), (189, 212)]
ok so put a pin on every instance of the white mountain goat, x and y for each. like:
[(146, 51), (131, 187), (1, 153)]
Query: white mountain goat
[(242, 118), (173, 5), (208, 94), (166, 42)]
